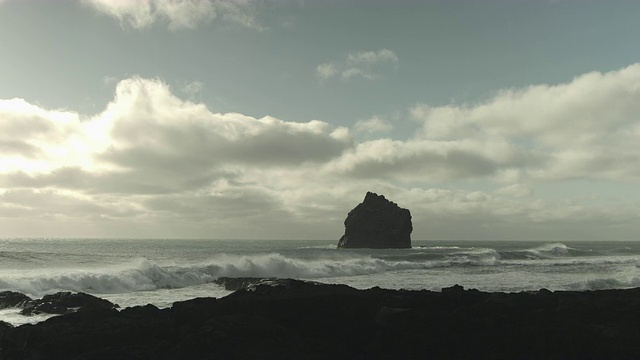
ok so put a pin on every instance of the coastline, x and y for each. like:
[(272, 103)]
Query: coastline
[(286, 318)]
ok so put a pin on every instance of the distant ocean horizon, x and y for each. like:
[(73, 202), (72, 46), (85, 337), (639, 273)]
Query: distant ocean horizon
[(133, 272)]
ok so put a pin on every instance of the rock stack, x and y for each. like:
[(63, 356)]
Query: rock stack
[(377, 223)]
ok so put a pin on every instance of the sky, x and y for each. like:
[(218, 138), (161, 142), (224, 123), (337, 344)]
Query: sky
[(271, 119)]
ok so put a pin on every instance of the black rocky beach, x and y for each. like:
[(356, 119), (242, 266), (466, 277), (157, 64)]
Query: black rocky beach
[(293, 319)]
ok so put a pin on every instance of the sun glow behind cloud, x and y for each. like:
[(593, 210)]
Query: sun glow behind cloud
[(155, 157), (34, 139)]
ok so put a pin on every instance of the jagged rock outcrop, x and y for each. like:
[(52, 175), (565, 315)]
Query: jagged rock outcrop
[(64, 303), (59, 303), (236, 283), (292, 319), (377, 223), (9, 299)]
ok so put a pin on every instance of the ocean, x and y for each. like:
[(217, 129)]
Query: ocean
[(133, 272)]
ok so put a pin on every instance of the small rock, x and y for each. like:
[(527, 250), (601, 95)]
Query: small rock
[(11, 299), (66, 302), (237, 283)]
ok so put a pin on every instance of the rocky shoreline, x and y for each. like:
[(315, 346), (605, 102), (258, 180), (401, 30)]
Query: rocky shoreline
[(292, 319)]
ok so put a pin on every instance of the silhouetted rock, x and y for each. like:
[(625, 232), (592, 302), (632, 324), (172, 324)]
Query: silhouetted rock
[(293, 319), (10, 299), (66, 302), (237, 283), (377, 223)]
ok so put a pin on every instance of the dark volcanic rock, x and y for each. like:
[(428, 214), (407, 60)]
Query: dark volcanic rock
[(237, 283), (66, 302), (377, 223), (9, 299), (291, 319)]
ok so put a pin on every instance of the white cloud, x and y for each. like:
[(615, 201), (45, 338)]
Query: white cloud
[(516, 190), (158, 159), (362, 58), (153, 163), (326, 70), (171, 145), (372, 125), (240, 12), (177, 13), (365, 64), (425, 160), (34, 139), (109, 80), (193, 88), (586, 128), (148, 141)]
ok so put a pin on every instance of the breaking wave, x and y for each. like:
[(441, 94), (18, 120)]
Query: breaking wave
[(626, 274), (473, 254), (144, 275), (545, 251), (322, 262), (441, 248), (549, 250)]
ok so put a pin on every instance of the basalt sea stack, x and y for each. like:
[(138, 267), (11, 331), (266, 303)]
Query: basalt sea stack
[(377, 223)]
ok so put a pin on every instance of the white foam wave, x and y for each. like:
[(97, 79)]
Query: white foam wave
[(143, 275), (548, 250), (625, 277), (605, 284), (324, 246), (13, 317), (439, 247), (277, 265), (475, 256), (140, 275)]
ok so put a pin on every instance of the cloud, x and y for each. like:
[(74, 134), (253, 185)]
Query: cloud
[(152, 163), (141, 14), (363, 58), (153, 126), (326, 70), (56, 204), (193, 88), (158, 159), (148, 140), (585, 128), (240, 12), (373, 125), (34, 139), (365, 64), (425, 160), (109, 80)]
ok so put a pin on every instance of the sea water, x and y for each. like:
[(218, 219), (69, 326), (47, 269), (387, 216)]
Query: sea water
[(133, 272)]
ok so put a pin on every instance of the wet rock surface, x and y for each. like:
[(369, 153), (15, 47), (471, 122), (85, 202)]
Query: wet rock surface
[(291, 319), (64, 303), (11, 299), (237, 283), (58, 303), (377, 223)]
